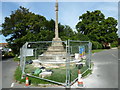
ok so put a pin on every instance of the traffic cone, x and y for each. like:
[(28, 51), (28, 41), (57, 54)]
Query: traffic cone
[(80, 81), (27, 82)]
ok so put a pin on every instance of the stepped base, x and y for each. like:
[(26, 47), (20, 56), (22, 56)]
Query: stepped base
[(55, 52)]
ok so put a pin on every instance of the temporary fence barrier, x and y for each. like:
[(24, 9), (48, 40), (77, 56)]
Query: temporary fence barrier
[(55, 61)]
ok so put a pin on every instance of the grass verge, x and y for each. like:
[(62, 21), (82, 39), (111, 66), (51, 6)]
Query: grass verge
[(16, 58), (98, 50), (32, 80), (89, 71), (27, 58), (59, 75)]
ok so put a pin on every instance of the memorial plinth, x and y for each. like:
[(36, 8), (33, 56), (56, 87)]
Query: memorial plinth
[(56, 48), (55, 52)]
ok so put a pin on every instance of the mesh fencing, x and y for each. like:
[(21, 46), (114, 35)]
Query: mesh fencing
[(80, 58), (55, 61)]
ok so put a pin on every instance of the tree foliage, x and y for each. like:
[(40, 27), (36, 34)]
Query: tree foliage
[(96, 27), (24, 26)]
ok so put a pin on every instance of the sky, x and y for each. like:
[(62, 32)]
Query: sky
[(69, 11)]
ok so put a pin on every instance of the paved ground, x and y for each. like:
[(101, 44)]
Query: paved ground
[(105, 72), (8, 68)]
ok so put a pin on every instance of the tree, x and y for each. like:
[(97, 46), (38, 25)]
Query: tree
[(66, 32), (23, 26), (81, 37), (96, 27)]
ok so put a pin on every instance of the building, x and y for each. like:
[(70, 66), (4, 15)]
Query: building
[(2, 45)]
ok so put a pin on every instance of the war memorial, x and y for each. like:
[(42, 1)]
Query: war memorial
[(55, 61)]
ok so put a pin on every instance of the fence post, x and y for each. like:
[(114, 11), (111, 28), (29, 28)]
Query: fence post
[(68, 64), (89, 45), (35, 53), (24, 59), (21, 58)]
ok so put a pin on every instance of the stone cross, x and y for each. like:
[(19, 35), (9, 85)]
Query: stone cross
[(56, 22)]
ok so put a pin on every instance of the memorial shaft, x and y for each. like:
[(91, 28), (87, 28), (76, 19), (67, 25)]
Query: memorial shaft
[(56, 22)]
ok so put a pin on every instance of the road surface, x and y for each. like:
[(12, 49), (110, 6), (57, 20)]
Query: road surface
[(105, 71), (8, 69)]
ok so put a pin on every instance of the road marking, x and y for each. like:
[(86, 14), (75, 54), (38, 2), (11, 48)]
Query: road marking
[(12, 84), (114, 55)]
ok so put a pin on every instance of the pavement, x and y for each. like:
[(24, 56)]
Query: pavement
[(104, 75), (8, 69), (105, 70)]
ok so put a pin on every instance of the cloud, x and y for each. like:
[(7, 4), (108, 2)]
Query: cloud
[(109, 9), (70, 12), (25, 4), (2, 39)]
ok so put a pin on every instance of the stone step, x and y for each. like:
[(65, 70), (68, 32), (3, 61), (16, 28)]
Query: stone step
[(52, 57), (55, 53), (56, 48)]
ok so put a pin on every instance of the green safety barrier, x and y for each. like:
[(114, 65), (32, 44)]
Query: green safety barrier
[(37, 71)]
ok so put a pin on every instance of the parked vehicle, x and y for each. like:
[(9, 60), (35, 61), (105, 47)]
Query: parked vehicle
[(107, 45)]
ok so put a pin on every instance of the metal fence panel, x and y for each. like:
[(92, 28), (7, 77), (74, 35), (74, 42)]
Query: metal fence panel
[(45, 60), (55, 61), (80, 53)]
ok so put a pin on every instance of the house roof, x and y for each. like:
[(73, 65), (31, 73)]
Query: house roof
[(3, 44)]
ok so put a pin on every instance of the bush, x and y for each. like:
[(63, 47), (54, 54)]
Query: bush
[(114, 44), (11, 54), (96, 45), (16, 58)]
